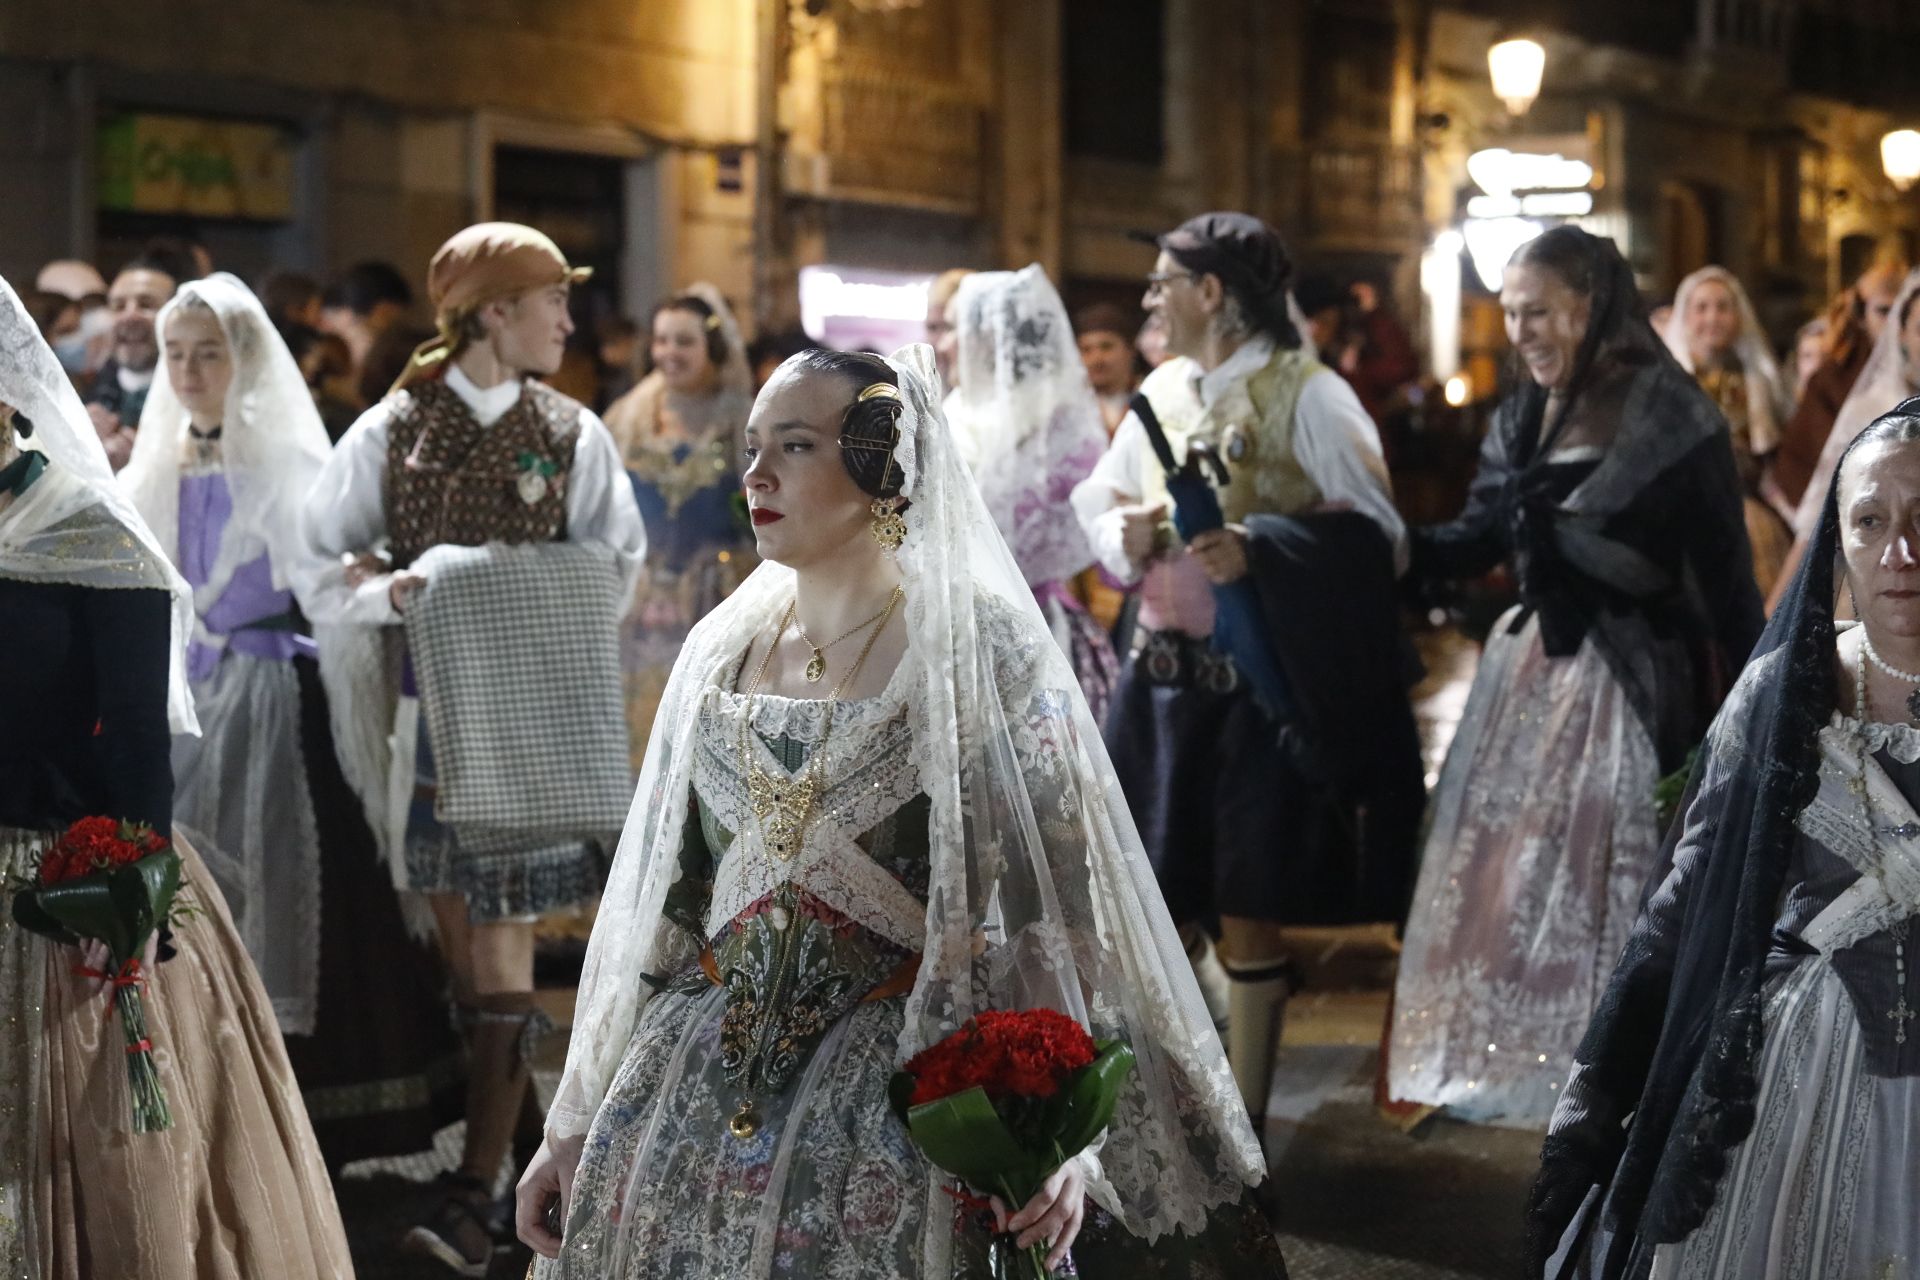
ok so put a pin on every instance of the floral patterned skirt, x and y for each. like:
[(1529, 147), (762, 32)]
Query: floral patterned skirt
[(665, 606), (829, 1185), (1086, 644), (1542, 834)]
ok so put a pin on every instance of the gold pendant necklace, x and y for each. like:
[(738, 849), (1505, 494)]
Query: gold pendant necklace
[(817, 665), (783, 804)]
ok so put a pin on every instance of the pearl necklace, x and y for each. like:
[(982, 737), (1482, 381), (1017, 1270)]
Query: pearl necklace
[(1902, 1013), (1887, 668)]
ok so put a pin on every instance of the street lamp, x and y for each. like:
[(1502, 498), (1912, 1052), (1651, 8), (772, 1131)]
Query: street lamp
[(1516, 66), (1900, 157)]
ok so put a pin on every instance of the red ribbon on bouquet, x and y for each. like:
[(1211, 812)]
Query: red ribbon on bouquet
[(129, 975)]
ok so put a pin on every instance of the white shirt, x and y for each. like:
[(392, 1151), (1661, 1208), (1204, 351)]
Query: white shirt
[(133, 379), (1334, 441), (346, 512)]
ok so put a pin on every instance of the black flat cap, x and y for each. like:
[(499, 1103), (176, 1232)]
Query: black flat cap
[(1243, 251)]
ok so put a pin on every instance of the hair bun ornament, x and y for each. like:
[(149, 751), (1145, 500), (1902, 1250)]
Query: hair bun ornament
[(713, 322), (878, 391)]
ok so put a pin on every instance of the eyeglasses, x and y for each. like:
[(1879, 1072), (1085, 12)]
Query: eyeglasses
[(1158, 281)]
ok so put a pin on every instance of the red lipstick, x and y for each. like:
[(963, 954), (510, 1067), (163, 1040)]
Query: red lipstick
[(766, 515)]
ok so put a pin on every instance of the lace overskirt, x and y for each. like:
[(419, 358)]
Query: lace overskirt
[(1542, 837)]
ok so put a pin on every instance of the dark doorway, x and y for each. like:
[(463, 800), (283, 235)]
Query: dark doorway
[(579, 200)]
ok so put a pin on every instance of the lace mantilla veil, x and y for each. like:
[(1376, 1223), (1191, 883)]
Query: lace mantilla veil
[(734, 373), (47, 535), (1025, 415), (1029, 904), (272, 445), (1886, 380), (1766, 407)]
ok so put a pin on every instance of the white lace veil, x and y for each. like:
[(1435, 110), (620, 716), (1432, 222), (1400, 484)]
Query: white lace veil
[(272, 445), (1025, 415), (1885, 380), (1766, 400), (634, 419), (734, 372), (46, 536), (1039, 892)]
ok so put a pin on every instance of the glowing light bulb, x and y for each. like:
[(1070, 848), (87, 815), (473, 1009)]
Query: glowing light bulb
[(1517, 67), (1900, 157)]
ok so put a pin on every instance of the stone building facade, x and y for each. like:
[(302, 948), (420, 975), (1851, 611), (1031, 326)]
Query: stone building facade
[(737, 141), (625, 127), (727, 140)]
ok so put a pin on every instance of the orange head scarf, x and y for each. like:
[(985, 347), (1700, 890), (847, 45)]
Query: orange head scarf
[(484, 263)]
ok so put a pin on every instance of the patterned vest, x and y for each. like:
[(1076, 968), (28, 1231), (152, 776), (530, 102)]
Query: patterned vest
[(451, 480), (1250, 427)]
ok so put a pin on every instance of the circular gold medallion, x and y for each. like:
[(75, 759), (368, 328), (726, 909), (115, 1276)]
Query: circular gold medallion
[(745, 1122)]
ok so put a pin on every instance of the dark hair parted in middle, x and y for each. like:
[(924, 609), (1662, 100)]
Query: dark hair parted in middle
[(697, 307), (870, 428)]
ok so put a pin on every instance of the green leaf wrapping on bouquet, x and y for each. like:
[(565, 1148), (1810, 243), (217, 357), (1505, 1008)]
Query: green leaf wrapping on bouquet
[(28, 915), (120, 907), (1085, 1107), (964, 1135)]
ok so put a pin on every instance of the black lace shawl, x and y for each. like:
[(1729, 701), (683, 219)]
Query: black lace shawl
[(1651, 545), (1664, 1083)]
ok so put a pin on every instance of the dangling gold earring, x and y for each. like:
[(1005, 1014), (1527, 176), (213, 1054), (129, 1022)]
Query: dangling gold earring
[(889, 527)]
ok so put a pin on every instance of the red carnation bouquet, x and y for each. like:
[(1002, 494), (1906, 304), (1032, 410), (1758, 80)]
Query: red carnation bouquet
[(1007, 1099), (115, 882)]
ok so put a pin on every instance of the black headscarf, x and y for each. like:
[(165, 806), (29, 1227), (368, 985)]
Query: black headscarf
[(1676, 1039), (1618, 333)]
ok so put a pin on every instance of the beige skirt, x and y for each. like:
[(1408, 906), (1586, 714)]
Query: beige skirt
[(236, 1190)]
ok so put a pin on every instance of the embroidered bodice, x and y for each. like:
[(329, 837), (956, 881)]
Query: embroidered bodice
[(683, 453), (451, 480), (798, 941), (1855, 880), (1251, 426)]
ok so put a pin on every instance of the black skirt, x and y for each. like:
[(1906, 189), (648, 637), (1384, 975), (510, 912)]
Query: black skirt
[(383, 1069), (1230, 825)]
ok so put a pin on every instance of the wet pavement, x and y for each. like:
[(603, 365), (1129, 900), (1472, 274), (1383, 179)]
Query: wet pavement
[(1358, 1196)]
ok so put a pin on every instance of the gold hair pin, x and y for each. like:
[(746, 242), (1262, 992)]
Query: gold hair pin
[(713, 322), (879, 391)]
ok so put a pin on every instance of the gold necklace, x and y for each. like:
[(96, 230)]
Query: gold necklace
[(782, 804), (817, 665)]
